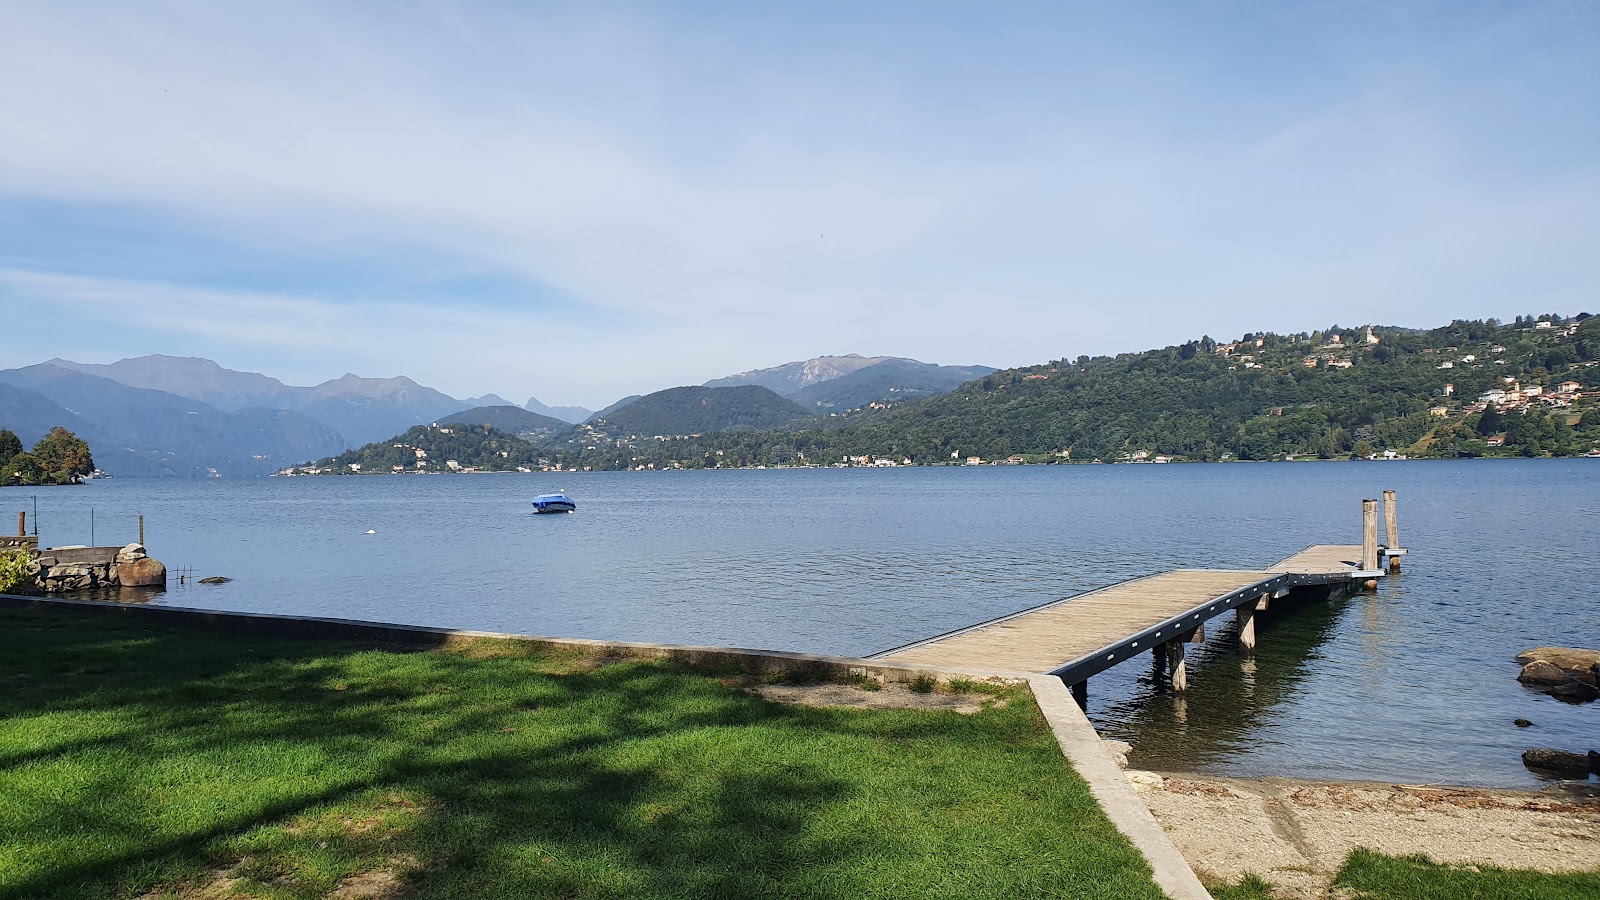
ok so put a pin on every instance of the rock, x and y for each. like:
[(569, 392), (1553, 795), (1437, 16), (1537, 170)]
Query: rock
[(1118, 751), (142, 572), (130, 553), (1541, 672), (1573, 661), (1521, 723), (1150, 780), (1594, 761), (215, 579), (1574, 692), (1556, 760)]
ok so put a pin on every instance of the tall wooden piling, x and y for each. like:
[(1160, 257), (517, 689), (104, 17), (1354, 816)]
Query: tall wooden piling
[(22, 524), (141, 530), (1369, 540), (1245, 615), (1177, 671), (1391, 530)]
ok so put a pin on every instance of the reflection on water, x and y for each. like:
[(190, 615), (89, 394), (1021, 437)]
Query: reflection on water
[(1414, 683)]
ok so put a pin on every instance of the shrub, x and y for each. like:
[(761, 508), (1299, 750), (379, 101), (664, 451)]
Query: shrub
[(16, 570)]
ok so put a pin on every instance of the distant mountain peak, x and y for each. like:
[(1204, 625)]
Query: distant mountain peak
[(793, 377), (569, 414)]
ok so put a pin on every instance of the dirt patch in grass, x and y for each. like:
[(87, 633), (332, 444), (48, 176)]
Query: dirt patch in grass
[(1298, 834), (380, 885), (889, 696)]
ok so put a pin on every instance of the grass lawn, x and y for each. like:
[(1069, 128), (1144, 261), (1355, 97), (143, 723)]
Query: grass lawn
[(1372, 875), (151, 761)]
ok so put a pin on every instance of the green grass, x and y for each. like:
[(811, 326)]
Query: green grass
[(1250, 887), (145, 760), (1373, 876)]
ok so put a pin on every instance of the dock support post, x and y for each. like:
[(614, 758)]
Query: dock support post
[(141, 530), (1080, 693), (1369, 539), (22, 524), (1246, 617), (1391, 530), (1177, 671)]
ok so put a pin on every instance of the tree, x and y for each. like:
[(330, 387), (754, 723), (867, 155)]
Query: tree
[(22, 469), (10, 444), (63, 457), (1362, 450), (1491, 422)]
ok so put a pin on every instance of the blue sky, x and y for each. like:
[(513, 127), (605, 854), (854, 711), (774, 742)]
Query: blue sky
[(581, 201)]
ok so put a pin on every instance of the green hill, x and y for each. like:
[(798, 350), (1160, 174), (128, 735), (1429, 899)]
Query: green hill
[(512, 420), (700, 410), (435, 448)]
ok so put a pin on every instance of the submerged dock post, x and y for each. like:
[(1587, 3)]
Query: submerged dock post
[(1177, 671), (1369, 540), (1391, 531)]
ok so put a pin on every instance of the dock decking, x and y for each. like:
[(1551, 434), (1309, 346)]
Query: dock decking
[(1083, 635)]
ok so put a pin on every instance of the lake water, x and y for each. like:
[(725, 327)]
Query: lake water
[(1413, 684)]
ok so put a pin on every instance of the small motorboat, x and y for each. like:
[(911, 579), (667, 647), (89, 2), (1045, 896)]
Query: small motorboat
[(553, 503)]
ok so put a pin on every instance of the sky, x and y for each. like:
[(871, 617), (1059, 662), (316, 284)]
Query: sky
[(583, 201)]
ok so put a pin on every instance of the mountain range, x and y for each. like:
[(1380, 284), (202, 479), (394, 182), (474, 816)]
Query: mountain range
[(167, 416)]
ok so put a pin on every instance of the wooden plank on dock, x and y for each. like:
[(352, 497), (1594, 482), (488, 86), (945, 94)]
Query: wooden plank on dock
[(1045, 638)]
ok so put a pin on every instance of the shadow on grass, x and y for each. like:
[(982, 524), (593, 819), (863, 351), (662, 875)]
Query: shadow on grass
[(139, 757)]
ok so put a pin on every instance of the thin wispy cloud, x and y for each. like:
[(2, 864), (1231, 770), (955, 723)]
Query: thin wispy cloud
[(664, 194)]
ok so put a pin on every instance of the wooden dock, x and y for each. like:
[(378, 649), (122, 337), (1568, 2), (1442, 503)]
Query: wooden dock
[(1081, 636)]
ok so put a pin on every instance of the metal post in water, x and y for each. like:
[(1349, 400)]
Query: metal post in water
[(141, 529)]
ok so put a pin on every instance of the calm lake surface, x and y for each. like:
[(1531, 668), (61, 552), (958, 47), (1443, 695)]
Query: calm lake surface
[(1414, 684)]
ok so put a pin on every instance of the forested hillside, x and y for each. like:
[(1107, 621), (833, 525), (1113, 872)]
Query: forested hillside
[(512, 420), (699, 410), (434, 448), (1325, 394)]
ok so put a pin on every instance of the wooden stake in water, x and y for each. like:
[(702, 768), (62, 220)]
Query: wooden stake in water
[(1391, 530), (22, 523), (141, 530), (1369, 536)]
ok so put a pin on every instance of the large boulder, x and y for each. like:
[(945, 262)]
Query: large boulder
[(1580, 664), (130, 553), (1552, 760), (142, 572), (1541, 672)]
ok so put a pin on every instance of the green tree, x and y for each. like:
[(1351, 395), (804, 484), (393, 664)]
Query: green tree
[(22, 469), (63, 457), (10, 444), (1491, 422)]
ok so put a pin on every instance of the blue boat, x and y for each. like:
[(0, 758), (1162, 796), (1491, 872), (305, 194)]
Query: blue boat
[(553, 503)]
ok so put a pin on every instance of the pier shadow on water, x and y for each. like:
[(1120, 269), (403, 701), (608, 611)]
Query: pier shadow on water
[(1230, 698)]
